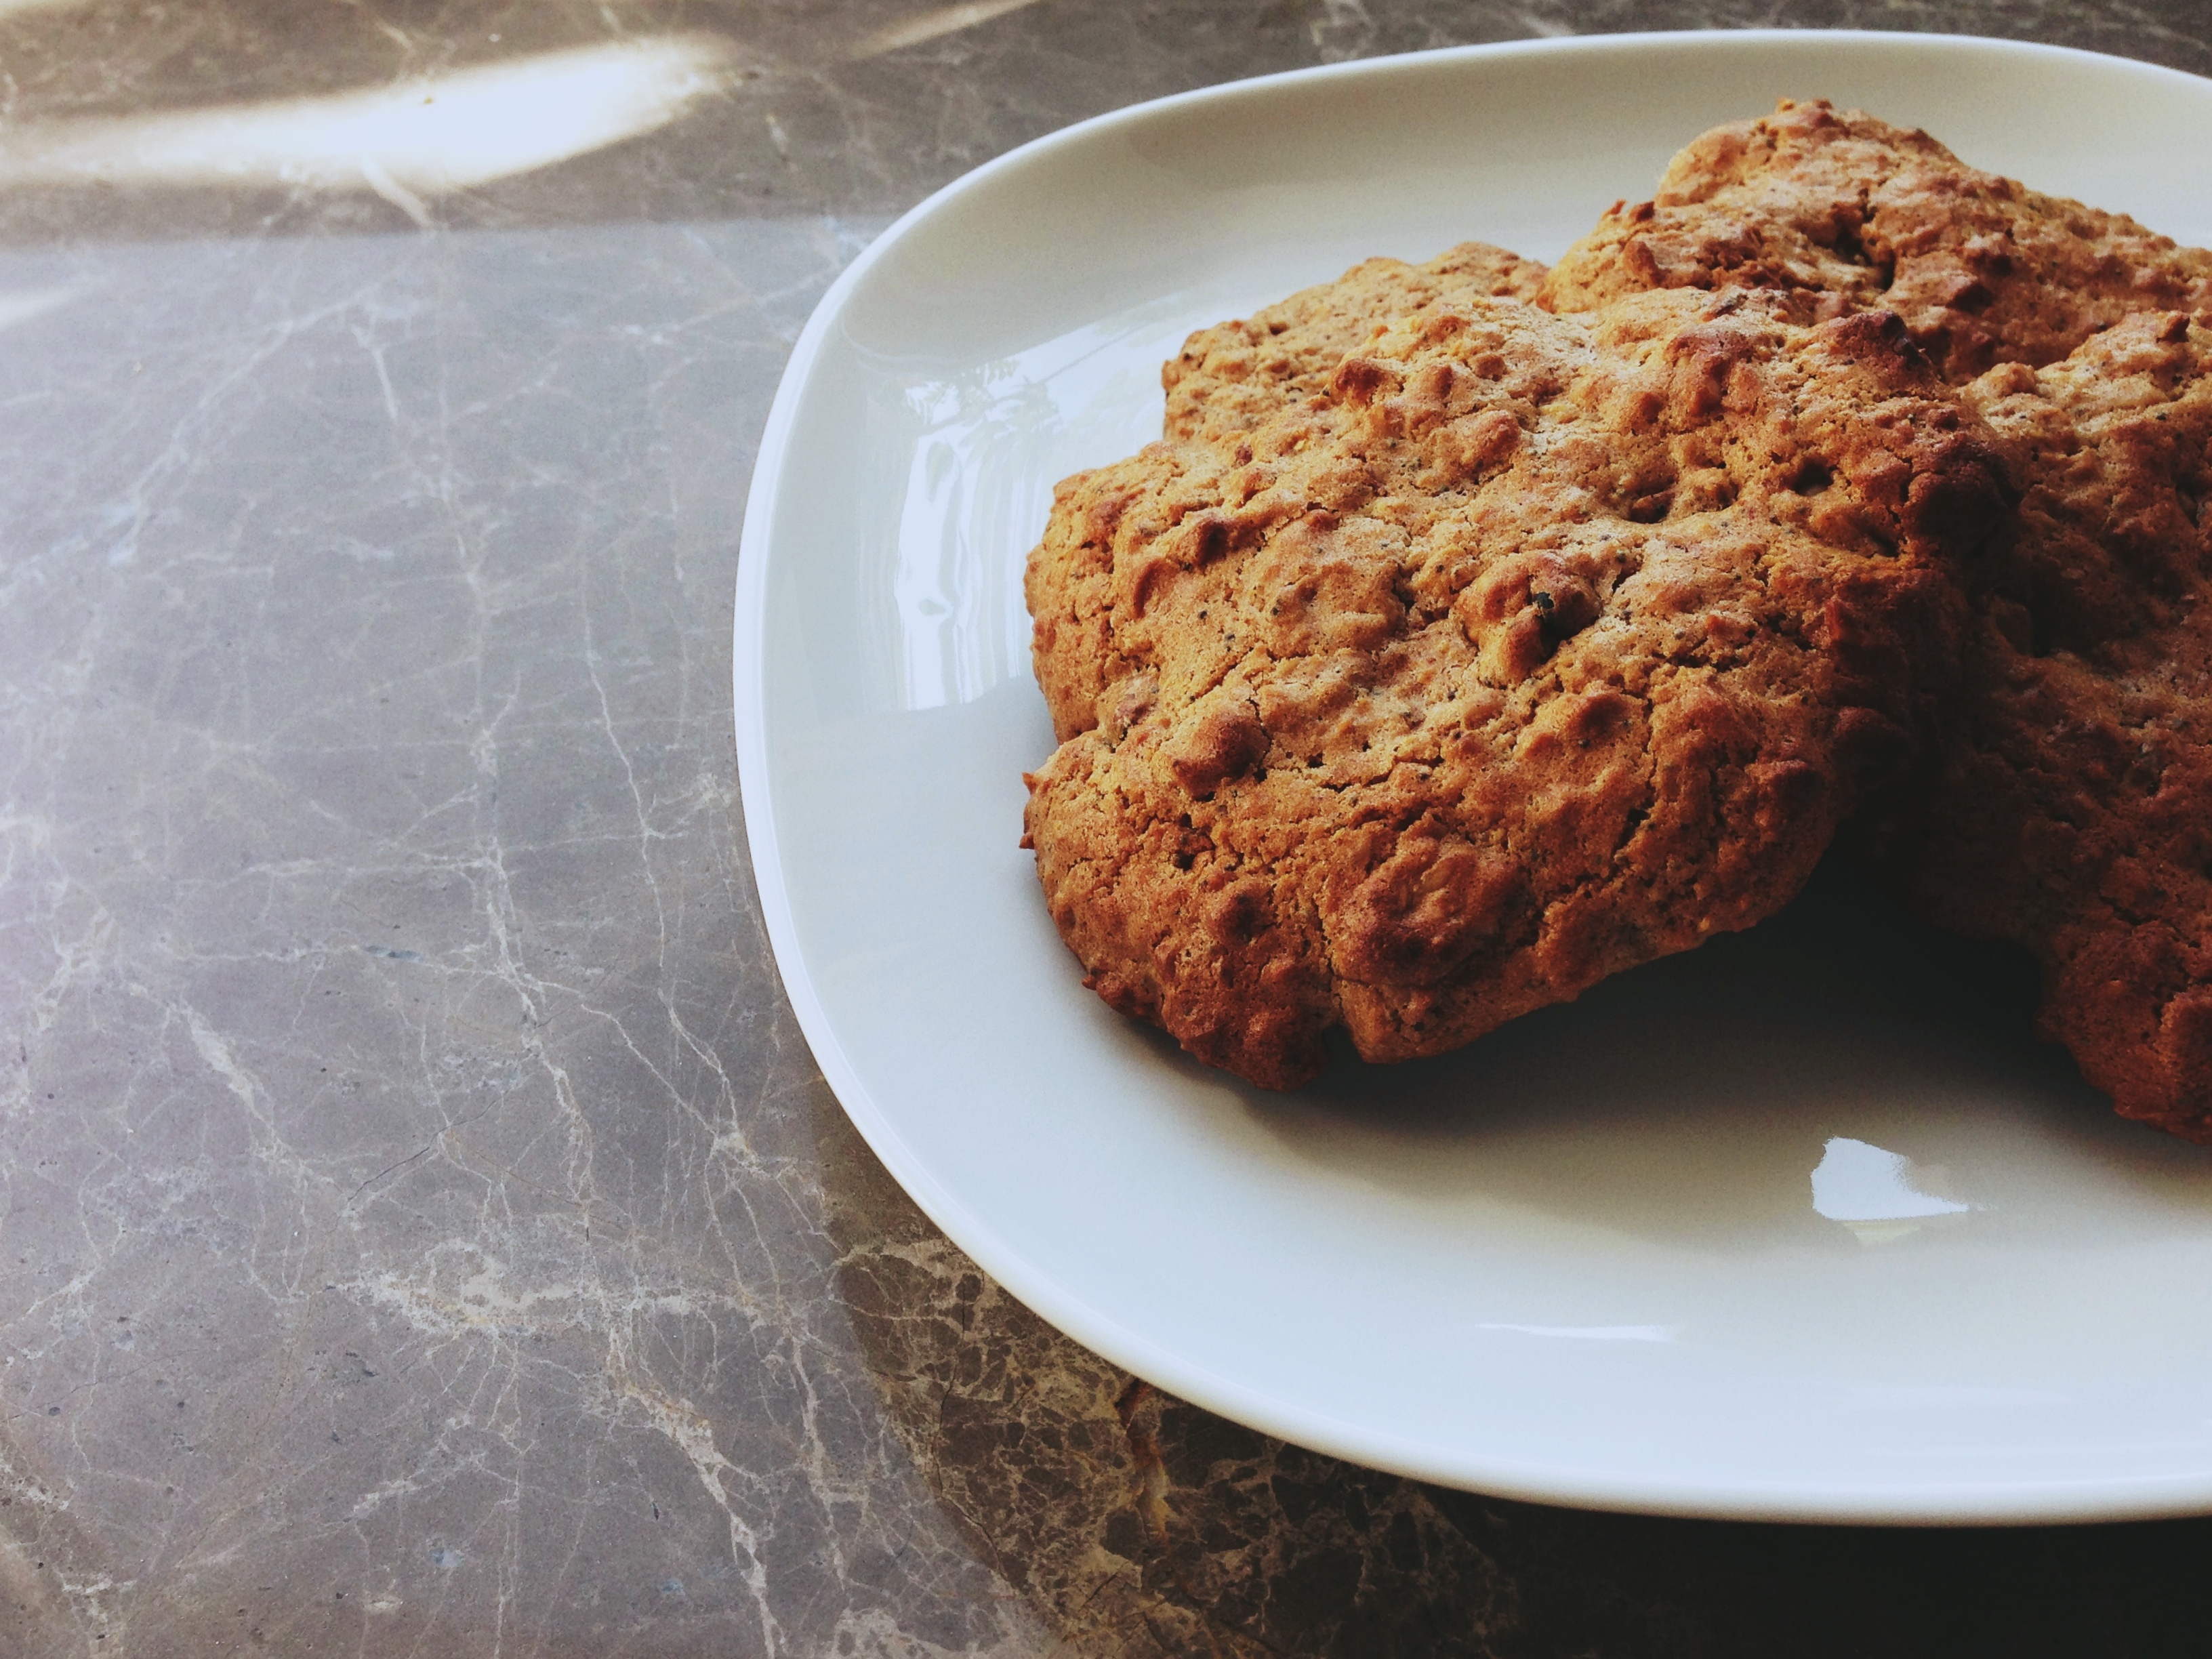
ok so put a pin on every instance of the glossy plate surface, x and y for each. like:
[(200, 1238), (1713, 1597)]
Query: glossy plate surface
[(1801, 1224)]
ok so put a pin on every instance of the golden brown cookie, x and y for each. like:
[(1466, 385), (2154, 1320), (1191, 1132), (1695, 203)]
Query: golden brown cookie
[(2071, 810), (1237, 373), (2073, 813), (1982, 269), (1538, 647)]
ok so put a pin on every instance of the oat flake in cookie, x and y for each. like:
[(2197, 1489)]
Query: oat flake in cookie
[(1982, 269), (1533, 648), (1236, 375)]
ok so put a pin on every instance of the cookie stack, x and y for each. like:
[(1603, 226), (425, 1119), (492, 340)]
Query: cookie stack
[(1477, 631)]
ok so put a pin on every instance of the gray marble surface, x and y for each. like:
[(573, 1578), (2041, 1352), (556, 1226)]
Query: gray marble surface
[(422, 1229)]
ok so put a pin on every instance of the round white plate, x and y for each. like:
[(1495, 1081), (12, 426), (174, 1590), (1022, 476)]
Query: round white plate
[(1802, 1224)]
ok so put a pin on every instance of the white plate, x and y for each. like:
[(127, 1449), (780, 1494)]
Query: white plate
[(1588, 1259)]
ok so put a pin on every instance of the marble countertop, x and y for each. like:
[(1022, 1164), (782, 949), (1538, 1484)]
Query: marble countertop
[(422, 1229)]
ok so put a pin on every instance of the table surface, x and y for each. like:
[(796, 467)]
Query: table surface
[(422, 1229)]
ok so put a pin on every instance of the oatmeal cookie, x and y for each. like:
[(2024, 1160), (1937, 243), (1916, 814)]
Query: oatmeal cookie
[(2071, 799), (1538, 647), (1236, 375), (1982, 269), (2070, 807), (2073, 812)]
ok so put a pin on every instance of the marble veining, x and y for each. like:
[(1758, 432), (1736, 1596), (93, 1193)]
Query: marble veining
[(422, 1229), (814, 105)]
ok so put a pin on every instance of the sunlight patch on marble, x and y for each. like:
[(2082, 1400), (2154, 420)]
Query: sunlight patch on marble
[(928, 25), (414, 140)]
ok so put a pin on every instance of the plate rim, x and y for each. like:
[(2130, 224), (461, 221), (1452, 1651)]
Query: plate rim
[(2037, 1501)]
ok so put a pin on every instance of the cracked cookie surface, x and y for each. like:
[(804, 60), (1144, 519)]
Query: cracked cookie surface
[(1537, 647), (2073, 811), (2070, 811), (1238, 373), (1982, 269)]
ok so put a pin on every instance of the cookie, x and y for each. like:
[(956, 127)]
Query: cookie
[(2069, 809), (2073, 811), (1236, 375), (1534, 648), (1982, 269)]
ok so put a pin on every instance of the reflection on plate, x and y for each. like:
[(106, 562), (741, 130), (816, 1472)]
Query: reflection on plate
[(1801, 1224)]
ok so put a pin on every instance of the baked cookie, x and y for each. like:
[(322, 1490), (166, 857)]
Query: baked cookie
[(2071, 808), (1537, 647), (1982, 269), (1240, 373), (1236, 375), (2073, 813)]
